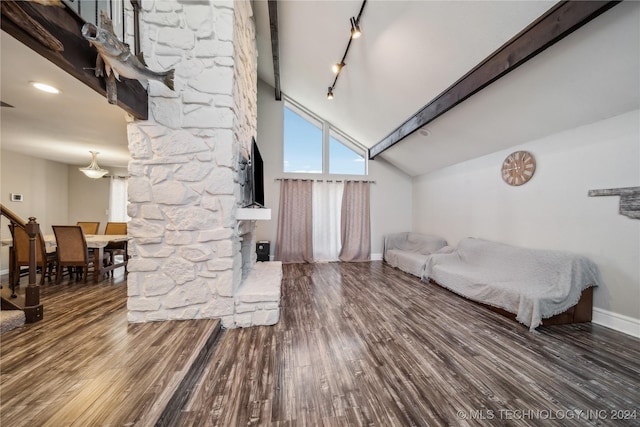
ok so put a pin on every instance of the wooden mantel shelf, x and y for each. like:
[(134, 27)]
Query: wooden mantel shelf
[(251, 214), (629, 199)]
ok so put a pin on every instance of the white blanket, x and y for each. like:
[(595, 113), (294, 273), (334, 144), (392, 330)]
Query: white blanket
[(534, 284), (408, 251)]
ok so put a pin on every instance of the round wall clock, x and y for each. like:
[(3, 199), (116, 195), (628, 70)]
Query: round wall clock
[(518, 167)]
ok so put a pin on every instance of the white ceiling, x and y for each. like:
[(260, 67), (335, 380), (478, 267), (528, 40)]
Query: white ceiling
[(61, 127), (410, 51)]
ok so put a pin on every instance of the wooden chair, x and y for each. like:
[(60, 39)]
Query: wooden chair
[(118, 248), (116, 228), (89, 227), (45, 261), (72, 249)]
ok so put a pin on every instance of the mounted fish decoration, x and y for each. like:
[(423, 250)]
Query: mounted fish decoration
[(118, 58)]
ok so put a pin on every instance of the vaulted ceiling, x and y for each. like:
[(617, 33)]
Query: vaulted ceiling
[(410, 52)]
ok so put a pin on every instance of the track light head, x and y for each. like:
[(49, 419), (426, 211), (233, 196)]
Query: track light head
[(355, 29), (336, 68), (330, 93)]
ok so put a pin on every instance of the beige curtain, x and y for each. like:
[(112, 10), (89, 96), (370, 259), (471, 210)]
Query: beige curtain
[(355, 223), (295, 232)]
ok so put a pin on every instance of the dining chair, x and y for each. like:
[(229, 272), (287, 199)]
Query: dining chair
[(72, 250), (116, 228), (89, 227), (44, 260), (116, 248)]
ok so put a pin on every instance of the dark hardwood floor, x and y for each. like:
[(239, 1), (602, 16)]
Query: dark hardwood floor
[(357, 344), (84, 365), (365, 344)]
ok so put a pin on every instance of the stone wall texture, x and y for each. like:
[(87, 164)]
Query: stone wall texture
[(185, 174)]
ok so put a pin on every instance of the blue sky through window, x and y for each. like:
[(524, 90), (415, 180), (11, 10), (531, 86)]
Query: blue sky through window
[(303, 148), (302, 144), (343, 160)]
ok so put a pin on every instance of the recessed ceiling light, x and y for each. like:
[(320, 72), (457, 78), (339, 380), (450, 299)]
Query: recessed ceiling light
[(45, 88), (424, 132)]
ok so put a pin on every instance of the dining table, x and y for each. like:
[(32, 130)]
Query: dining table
[(97, 242)]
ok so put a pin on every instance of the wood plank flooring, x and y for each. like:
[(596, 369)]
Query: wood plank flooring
[(84, 365), (357, 344), (365, 344)]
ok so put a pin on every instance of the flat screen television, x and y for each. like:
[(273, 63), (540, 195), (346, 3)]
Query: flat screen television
[(254, 185)]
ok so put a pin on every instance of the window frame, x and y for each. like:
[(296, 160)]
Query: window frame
[(328, 131)]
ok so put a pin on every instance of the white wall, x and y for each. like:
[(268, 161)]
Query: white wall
[(391, 204), (43, 185), (55, 193), (552, 210), (88, 198)]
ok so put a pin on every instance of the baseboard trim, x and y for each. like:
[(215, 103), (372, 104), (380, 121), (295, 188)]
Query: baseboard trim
[(619, 322), (374, 257), (3, 272)]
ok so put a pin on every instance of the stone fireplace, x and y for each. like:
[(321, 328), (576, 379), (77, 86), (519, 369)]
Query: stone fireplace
[(247, 247), (191, 257)]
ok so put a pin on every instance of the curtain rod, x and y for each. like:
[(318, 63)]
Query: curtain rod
[(323, 180)]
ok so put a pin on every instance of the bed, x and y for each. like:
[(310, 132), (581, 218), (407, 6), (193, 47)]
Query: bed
[(531, 284)]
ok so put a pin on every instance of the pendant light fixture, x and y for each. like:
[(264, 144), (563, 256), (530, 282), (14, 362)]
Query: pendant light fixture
[(93, 170)]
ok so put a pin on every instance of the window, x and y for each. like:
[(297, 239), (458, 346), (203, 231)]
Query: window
[(343, 159), (312, 145), (302, 143), (118, 200)]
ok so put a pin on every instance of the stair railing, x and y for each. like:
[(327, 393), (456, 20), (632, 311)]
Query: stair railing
[(89, 11), (32, 308)]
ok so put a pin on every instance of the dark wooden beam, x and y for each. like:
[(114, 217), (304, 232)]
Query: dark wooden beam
[(557, 23), (78, 58), (629, 199), (275, 45)]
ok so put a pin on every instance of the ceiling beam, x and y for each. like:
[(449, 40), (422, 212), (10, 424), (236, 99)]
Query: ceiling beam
[(78, 58), (275, 45), (557, 23)]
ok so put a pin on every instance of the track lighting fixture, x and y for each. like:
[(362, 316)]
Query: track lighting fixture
[(330, 93), (355, 29), (355, 33)]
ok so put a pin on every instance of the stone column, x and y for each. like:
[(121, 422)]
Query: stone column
[(185, 177)]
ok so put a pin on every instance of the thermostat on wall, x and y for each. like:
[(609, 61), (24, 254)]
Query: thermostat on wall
[(16, 197)]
